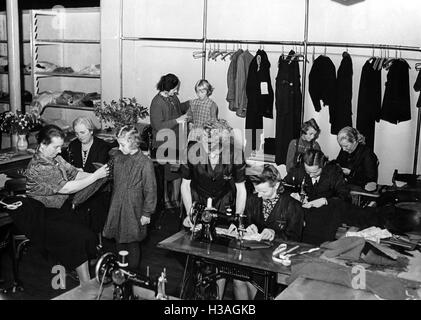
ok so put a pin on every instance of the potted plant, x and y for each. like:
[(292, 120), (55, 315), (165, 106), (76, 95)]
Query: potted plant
[(19, 124), (126, 111)]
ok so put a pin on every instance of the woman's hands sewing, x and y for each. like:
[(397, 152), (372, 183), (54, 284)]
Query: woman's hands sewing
[(317, 203)]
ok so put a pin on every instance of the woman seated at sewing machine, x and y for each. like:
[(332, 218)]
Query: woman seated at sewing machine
[(324, 196), (270, 213), (215, 169)]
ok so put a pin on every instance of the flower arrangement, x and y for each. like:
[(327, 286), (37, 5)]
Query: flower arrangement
[(126, 111), (18, 122)]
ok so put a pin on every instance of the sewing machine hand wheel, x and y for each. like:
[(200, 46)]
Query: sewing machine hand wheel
[(104, 267)]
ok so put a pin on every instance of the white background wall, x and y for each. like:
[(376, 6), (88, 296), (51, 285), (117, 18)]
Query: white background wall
[(370, 21)]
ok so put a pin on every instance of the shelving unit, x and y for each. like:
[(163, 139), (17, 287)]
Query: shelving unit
[(57, 37), (25, 53)]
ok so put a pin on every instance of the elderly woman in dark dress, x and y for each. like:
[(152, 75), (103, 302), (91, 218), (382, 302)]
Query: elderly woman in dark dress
[(358, 162), (134, 195), (82, 153), (215, 169), (50, 181)]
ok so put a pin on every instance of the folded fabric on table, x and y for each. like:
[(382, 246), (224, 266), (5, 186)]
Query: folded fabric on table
[(386, 287), (360, 249)]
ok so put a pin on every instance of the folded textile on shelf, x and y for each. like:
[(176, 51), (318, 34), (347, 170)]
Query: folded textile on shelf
[(93, 69)]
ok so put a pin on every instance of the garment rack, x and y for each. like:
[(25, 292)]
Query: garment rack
[(305, 43)]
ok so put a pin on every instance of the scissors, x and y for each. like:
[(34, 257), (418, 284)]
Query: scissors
[(12, 206)]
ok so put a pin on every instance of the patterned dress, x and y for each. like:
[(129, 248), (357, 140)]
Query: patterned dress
[(200, 112), (46, 177), (134, 196)]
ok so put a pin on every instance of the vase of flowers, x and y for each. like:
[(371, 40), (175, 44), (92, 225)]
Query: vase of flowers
[(19, 125), (126, 111)]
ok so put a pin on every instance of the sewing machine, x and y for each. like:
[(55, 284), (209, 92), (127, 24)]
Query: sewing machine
[(113, 269), (206, 218)]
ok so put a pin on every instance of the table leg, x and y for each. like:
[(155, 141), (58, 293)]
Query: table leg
[(183, 283)]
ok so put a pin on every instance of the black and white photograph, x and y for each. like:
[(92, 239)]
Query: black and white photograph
[(220, 157)]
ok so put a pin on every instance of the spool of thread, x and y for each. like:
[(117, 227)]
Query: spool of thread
[(123, 258), (209, 204)]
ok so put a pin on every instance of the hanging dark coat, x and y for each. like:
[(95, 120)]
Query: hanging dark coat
[(288, 105), (341, 114), (396, 101), (259, 95), (322, 82), (369, 102)]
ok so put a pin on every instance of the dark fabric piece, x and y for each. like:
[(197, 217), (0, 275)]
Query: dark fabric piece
[(94, 211), (134, 196), (341, 114), (231, 79), (217, 183), (363, 164), (322, 83), (288, 106), (386, 287), (369, 102), (396, 101), (57, 232), (286, 218), (259, 103), (331, 183)]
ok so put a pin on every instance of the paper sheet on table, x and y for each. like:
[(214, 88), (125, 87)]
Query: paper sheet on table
[(373, 233), (234, 234)]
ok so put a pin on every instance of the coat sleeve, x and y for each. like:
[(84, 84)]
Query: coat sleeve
[(294, 221), (149, 189), (340, 186), (370, 164)]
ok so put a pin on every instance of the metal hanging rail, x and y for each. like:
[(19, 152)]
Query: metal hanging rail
[(161, 39), (364, 46)]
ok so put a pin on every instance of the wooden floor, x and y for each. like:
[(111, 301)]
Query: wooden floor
[(35, 270)]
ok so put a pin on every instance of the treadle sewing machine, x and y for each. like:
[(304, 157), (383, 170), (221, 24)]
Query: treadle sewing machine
[(113, 269), (199, 283), (206, 218)]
